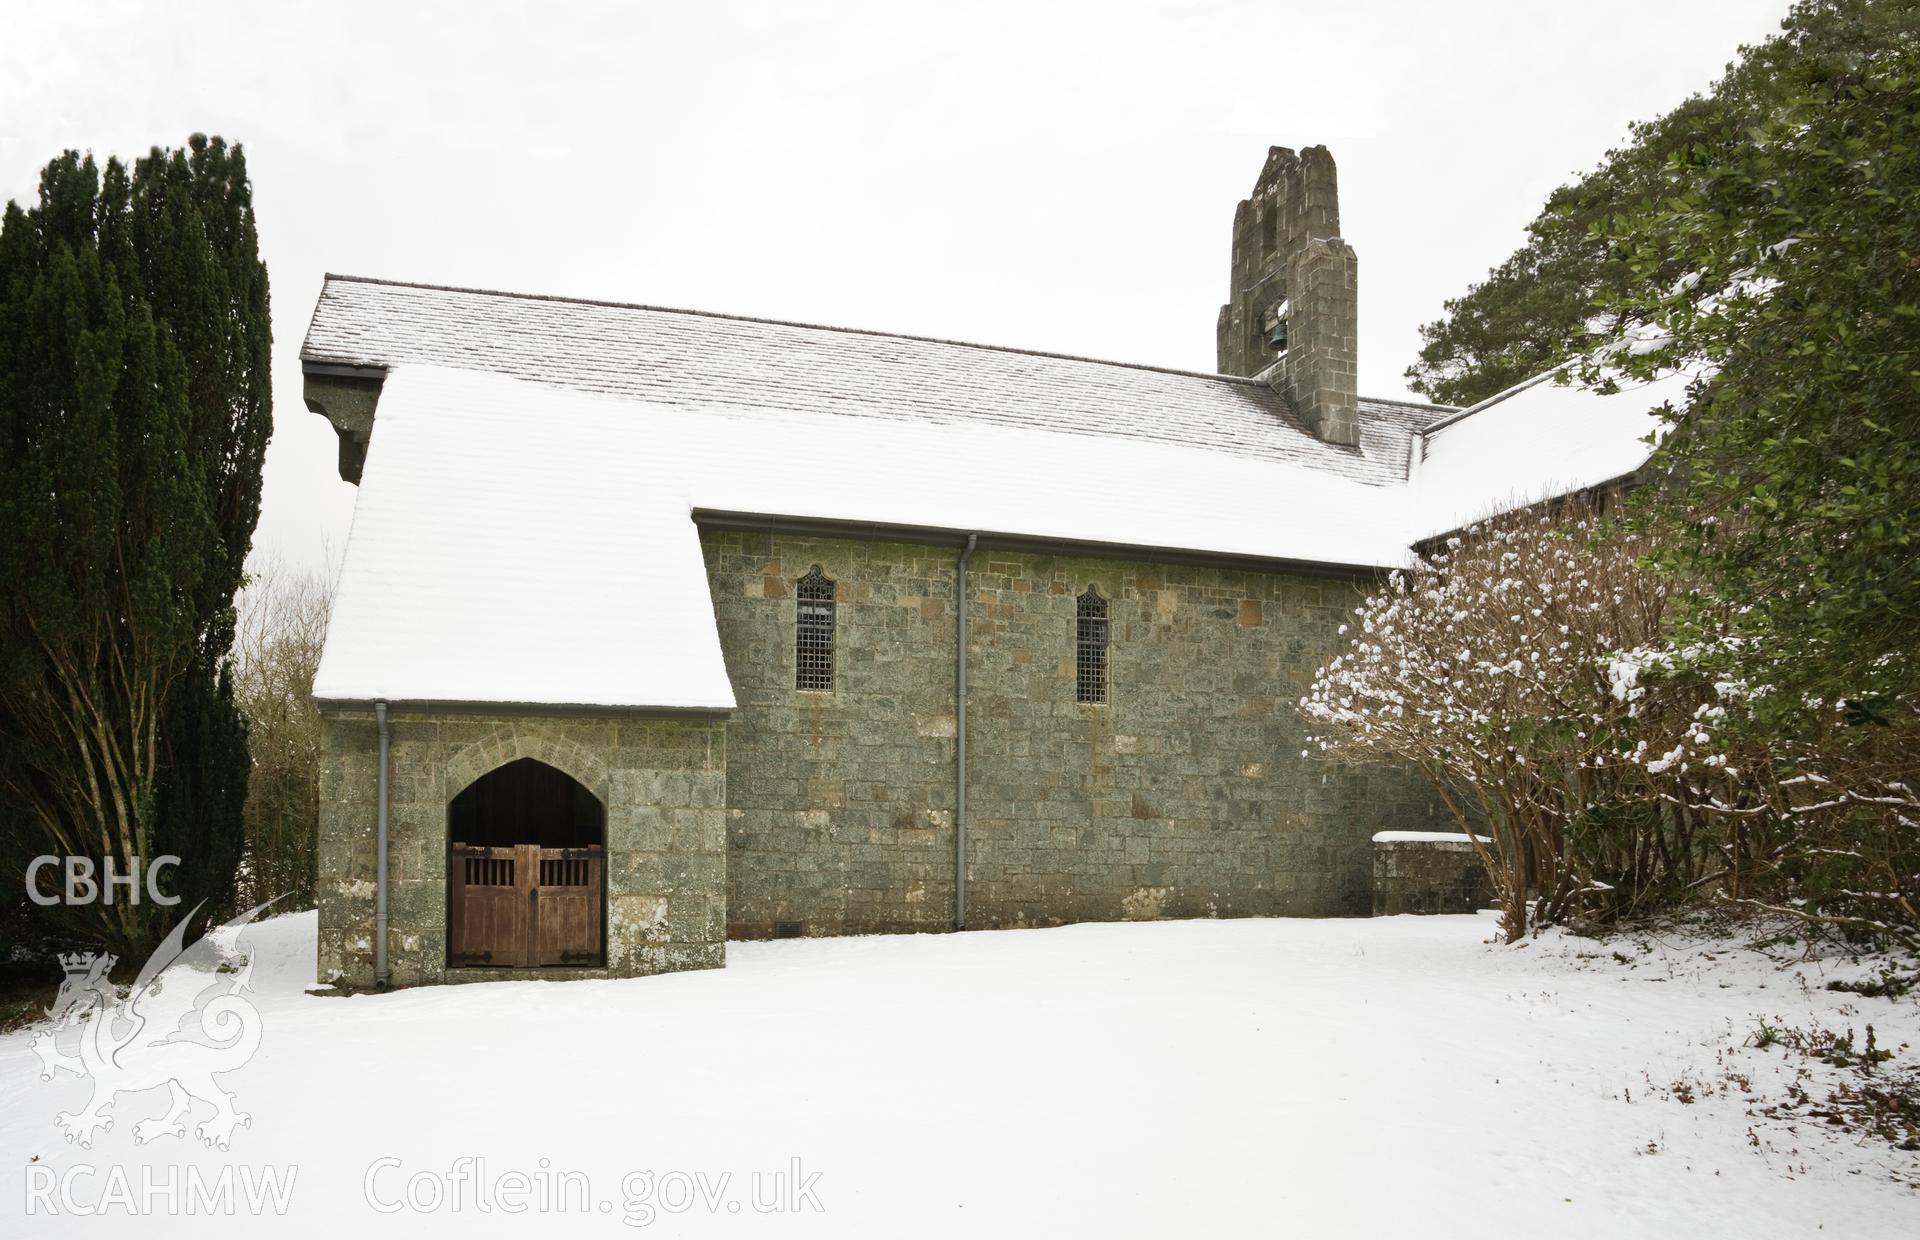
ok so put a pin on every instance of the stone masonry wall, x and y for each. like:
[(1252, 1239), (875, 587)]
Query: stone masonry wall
[(1438, 874), (663, 783), (1185, 795), (839, 804)]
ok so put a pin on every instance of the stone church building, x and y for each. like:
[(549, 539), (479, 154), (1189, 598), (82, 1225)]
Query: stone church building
[(659, 627)]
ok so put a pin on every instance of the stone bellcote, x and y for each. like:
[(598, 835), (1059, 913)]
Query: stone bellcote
[(1292, 316)]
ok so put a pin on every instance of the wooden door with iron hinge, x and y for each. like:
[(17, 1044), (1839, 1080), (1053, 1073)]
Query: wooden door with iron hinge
[(522, 906)]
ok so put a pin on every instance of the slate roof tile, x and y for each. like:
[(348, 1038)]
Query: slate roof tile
[(715, 361)]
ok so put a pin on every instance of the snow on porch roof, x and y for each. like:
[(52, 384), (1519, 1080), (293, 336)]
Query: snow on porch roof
[(494, 558), (515, 542)]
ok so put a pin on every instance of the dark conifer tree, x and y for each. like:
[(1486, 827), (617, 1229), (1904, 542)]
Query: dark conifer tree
[(134, 415), (1569, 287), (195, 241)]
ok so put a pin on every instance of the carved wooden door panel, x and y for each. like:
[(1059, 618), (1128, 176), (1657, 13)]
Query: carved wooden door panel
[(567, 907), (523, 905), (487, 907)]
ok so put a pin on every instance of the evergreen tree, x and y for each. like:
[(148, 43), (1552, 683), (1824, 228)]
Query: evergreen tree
[(1796, 459), (1775, 255), (195, 241), (1569, 287), (134, 414)]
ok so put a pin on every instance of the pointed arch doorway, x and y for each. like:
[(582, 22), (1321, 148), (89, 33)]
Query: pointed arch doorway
[(526, 881)]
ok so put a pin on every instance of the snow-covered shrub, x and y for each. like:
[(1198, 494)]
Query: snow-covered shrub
[(1815, 804), (1495, 670), (1849, 852)]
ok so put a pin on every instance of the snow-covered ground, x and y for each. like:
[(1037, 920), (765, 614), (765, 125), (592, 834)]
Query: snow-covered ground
[(1390, 1077)]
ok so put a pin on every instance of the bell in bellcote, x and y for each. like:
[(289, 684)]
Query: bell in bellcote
[(1274, 324)]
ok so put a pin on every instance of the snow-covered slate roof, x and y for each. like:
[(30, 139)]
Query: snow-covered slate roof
[(524, 530), (1537, 440), (678, 358), (517, 542)]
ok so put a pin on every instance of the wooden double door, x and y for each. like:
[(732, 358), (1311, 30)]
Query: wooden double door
[(525, 906)]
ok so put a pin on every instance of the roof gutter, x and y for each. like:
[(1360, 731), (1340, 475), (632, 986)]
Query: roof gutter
[(557, 710), (341, 370), (881, 531)]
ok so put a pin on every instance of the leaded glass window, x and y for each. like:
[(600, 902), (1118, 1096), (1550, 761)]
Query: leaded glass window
[(1091, 657), (813, 633)]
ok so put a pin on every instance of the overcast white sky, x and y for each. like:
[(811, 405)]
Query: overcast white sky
[(1054, 176)]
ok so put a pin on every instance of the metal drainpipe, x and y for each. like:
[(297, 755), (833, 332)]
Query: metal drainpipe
[(960, 737), (380, 860)]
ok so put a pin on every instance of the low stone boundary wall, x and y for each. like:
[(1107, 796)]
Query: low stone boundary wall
[(1427, 872)]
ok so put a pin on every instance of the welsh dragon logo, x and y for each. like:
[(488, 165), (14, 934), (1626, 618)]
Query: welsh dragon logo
[(184, 1019)]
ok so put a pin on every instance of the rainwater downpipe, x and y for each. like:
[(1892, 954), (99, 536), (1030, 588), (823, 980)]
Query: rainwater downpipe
[(960, 736), (380, 859)]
